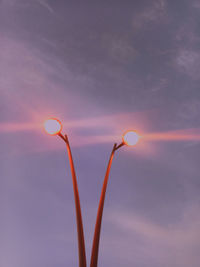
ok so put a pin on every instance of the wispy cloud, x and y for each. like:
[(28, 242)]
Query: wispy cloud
[(156, 11), (45, 4), (178, 135), (171, 245), (188, 62)]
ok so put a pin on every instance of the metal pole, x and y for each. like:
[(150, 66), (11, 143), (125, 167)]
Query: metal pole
[(95, 246), (81, 242)]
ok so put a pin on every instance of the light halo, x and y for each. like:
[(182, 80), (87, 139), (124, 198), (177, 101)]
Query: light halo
[(130, 138), (53, 126)]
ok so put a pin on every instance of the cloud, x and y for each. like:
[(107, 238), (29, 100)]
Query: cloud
[(188, 62), (154, 12), (172, 245), (45, 4), (34, 85), (120, 48)]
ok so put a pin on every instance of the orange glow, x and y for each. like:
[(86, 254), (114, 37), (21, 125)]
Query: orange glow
[(53, 126), (172, 136), (130, 138)]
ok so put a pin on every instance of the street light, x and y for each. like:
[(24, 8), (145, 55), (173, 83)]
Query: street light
[(54, 127), (130, 138)]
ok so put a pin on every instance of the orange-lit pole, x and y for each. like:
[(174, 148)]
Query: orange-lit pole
[(130, 138), (54, 127), (96, 240), (81, 241)]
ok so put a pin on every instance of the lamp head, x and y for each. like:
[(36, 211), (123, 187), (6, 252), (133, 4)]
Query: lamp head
[(53, 126), (130, 138)]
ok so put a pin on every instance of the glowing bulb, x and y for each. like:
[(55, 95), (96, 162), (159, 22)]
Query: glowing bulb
[(53, 126), (130, 138)]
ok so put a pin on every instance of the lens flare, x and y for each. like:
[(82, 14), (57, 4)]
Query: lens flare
[(52, 126), (130, 138)]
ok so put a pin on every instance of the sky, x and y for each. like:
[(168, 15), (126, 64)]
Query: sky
[(101, 67)]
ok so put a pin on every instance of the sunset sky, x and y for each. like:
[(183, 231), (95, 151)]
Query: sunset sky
[(102, 68)]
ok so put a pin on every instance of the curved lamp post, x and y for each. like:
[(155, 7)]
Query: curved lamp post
[(130, 138), (54, 127)]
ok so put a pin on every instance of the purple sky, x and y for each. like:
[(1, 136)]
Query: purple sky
[(101, 68)]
